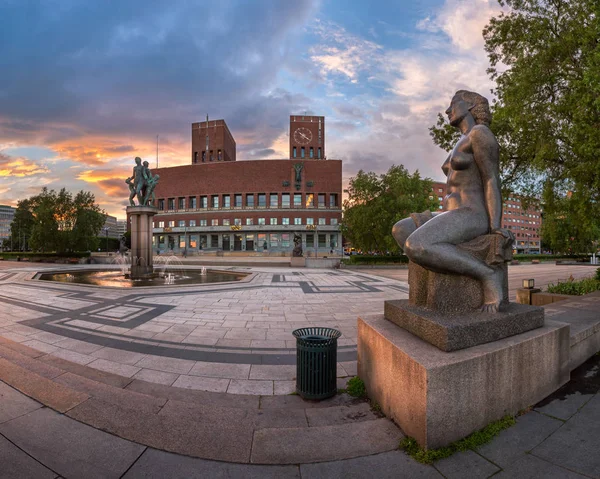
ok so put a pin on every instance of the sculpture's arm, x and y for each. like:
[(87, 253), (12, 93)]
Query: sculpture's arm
[(147, 174), (486, 154)]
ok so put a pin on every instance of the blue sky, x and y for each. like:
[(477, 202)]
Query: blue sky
[(86, 85)]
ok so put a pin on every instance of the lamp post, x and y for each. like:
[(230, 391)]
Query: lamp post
[(313, 227), (106, 232)]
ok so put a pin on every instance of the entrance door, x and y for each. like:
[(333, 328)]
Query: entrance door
[(249, 242), (237, 242), (226, 242)]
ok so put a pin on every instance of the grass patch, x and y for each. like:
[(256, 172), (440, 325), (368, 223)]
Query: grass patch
[(356, 387), (478, 438)]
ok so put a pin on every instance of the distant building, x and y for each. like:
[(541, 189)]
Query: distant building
[(111, 224), (121, 227), (218, 203), (7, 213), (524, 223)]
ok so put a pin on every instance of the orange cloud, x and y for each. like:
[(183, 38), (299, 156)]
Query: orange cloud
[(19, 166), (98, 176)]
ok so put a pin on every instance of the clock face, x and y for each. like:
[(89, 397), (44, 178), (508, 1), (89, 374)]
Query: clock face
[(302, 136)]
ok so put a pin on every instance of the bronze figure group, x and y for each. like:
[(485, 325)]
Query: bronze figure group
[(141, 184)]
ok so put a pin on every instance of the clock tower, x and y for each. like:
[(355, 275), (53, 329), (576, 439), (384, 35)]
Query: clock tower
[(307, 137)]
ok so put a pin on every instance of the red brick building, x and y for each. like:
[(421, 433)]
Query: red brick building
[(217, 203), (524, 223)]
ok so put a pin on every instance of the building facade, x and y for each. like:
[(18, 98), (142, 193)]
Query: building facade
[(525, 223), (257, 205), (121, 227), (7, 213), (110, 227), (212, 141)]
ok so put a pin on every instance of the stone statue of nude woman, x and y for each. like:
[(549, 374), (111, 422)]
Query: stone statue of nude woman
[(472, 206)]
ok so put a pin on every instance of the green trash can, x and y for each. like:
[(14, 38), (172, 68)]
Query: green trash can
[(316, 362)]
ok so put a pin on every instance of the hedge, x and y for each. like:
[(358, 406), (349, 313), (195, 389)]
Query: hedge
[(552, 257), (383, 259), (369, 259), (31, 254)]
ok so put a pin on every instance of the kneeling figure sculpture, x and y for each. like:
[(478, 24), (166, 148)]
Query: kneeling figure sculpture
[(458, 255)]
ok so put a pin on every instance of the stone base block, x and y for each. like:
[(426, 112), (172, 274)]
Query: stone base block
[(297, 262), (451, 332), (439, 397), (437, 291)]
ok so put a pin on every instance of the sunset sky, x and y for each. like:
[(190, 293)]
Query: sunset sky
[(86, 85)]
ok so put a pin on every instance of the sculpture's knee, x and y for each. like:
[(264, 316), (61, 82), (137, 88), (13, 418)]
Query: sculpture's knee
[(414, 248), (398, 235), (402, 230)]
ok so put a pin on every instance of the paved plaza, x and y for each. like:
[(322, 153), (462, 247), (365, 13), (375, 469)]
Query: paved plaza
[(197, 381), (230, 337)]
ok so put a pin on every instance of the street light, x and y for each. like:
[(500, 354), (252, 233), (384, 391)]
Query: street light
[(313, 227), (106, 232)]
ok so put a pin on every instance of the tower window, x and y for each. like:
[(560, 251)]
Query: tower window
[(319, 152), (203, 156), (302, 152), (219, 155), (294, 152), (312, 152), (195, 157)]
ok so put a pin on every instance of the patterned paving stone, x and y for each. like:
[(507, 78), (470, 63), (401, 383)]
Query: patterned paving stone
[(170, 330)]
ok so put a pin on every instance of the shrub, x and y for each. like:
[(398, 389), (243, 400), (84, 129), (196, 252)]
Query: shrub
[(473, 441), (582, 286), (356, 387)]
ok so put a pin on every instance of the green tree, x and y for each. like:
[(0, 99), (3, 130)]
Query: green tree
[(55, 221), (545, 60), (20, 228), (376, 202), (566, 228)]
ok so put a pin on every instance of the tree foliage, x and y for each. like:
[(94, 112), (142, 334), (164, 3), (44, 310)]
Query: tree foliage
[(55, 221), (545, 60), (376, 202)]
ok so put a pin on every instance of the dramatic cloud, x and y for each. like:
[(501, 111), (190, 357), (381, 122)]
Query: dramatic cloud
[(95, 83), (19, 167)]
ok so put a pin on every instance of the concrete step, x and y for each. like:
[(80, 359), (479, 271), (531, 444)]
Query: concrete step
[(44, 390), (324, 443), (219, 426)]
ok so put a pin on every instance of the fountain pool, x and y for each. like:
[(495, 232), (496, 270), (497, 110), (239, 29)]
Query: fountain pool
[(162, 277)]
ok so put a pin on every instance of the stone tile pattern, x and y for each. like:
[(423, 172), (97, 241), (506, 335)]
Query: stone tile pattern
[(234, 338)]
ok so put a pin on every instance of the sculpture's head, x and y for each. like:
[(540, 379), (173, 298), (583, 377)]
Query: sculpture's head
[(138, 160), (467, 102), (146, 164)]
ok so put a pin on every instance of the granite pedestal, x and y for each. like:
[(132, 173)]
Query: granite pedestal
[(450, 332), (439, 397), (141, 240), (298, 262)]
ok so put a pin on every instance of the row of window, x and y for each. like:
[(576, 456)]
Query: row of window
[(225, 201), (522, 228), (311, 152), (247, 241), (528, 215), (210, 156), (517, 220), (238, 222)]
